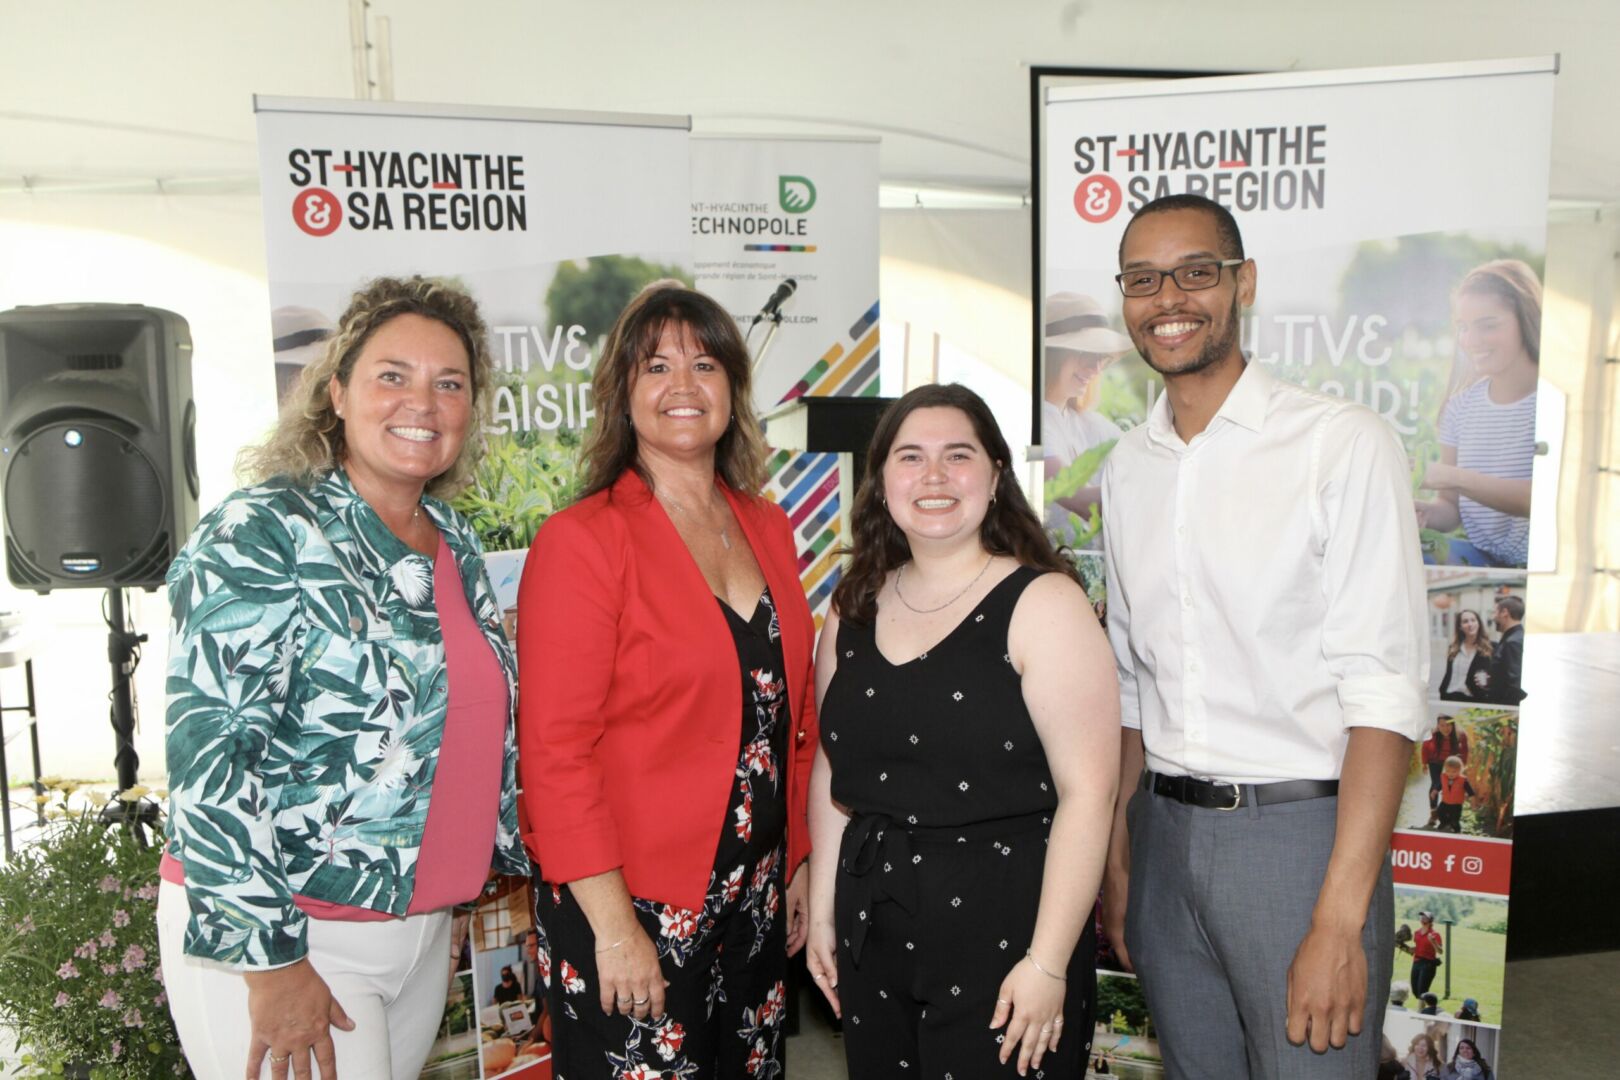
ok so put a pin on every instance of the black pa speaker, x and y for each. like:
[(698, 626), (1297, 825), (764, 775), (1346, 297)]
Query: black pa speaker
[(98, 459)]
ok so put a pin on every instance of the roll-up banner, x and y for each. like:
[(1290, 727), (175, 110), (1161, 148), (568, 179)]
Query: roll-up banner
[(1399, 268), (789, 227), (551, 221)]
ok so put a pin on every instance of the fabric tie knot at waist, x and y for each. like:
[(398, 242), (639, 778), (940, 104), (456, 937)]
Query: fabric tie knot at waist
[(877, 866), (879, 863)]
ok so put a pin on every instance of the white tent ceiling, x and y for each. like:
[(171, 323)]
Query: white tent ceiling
[(103, 93)]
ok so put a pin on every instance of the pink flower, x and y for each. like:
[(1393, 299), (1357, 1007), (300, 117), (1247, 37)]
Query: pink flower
[(120, 918), (146, 892), (161, 999), (110, 1000), (132, 1018), (67, 971), (62, 1000), (109, 969), (134, 958), (117, 1048), (109, 884), (88, 950), (157, 973), (107, 940), (27, 925)]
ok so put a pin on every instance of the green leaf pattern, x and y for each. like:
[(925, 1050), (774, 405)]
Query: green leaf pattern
[(307, 693)]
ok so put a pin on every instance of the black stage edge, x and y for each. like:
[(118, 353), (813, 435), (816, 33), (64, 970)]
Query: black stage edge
[(1566, 878)]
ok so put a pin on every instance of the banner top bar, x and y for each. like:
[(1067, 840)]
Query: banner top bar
[(429, 111), (1468, 69), (758, 136)]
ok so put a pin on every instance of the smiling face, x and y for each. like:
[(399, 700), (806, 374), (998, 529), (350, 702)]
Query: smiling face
[(1071, 373), (1179, 332), (407, 406), (1488, 333), (680, 397), (938, 478), (1468, 622)]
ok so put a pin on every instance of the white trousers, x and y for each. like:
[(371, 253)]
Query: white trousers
[(390, 977)]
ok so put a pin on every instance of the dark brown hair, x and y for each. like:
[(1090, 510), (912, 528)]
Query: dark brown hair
[(877, 545), (610, 446)]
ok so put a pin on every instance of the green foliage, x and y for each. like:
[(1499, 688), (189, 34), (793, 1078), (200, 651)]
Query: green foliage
[(78, 950), (592, 295), (1121, 999), (1074, 476), (522, 480)]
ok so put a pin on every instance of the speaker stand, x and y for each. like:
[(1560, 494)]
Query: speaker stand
[(123, 654)]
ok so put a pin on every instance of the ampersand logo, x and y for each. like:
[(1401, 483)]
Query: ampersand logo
[(1097, 198), (317, 211)]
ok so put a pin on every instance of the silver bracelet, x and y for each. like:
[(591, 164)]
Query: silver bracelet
[(613, 946), (1031, 958)]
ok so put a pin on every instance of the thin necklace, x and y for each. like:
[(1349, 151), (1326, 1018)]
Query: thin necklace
[(929, 611), (725, 535)]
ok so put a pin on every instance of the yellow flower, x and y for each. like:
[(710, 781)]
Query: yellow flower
[(161, 793), (134, 794), (97, 798), (42, 799), (68, 787), (50, 781)]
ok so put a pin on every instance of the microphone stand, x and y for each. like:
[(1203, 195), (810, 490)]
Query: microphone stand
[(775, 319)]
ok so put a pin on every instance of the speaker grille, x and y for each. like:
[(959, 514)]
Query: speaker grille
[(84, 503), (94, 362)]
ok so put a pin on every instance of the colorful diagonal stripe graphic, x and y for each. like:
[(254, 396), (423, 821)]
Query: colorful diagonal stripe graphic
[(849, 368), (806, 486)]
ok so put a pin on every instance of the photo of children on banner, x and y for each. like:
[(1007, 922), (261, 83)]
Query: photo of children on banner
[(1451, 946), (1476, 643), (1075, 437), (1487, 429), (1462, 774)]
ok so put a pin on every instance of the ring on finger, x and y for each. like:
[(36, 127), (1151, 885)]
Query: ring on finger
[(283, 1059), (1057, 1021), (640, 1001)]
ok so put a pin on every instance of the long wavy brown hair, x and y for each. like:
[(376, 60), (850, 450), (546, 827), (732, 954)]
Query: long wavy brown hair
[(308, 439), (1482, 640), (610, 445), (877, 545)]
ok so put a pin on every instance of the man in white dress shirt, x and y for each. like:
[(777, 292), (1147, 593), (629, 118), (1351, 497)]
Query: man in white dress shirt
[(1265, 604)]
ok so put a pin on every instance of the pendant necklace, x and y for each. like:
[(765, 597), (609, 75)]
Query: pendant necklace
[(929, 611), (725, 535)]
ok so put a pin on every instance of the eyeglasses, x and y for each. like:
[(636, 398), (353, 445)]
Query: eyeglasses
[(1189, 278)]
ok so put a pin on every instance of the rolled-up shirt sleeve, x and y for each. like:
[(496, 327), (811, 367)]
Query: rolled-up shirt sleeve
[(1374, 636), (1119, 619), (569, 604)]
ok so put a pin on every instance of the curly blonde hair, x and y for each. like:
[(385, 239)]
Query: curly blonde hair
[(308, 441), (610, 444)]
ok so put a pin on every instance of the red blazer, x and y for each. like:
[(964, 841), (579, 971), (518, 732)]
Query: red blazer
[(630, 702)]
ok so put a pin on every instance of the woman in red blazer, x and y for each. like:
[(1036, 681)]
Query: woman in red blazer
[(666, 718)]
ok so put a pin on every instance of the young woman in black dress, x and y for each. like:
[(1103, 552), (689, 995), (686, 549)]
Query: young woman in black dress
[(961, 800)]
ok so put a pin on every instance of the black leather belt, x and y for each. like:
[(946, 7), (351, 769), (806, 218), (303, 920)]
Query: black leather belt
[(1217, 795)]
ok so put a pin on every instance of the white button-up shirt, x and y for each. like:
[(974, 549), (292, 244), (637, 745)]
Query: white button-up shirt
[(1265, 587)]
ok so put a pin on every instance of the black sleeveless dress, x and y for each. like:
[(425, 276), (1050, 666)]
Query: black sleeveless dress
[(726, 964), (940, 866)]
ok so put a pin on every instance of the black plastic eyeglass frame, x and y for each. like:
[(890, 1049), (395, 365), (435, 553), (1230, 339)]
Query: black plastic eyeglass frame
[(1119, 279)]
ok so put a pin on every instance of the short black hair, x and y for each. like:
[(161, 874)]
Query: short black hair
[(1226, 225)]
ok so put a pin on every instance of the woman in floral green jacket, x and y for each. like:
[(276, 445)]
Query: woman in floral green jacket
[(340, 747)]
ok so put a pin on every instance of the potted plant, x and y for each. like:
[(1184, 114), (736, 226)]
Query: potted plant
[(80, 984)]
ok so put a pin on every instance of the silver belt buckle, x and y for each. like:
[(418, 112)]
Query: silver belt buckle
[(1237, 797)]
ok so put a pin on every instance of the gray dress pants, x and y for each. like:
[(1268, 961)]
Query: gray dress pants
[(1219, 902)]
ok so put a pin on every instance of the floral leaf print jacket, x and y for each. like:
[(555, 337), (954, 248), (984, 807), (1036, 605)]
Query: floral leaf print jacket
[(307, 693)]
